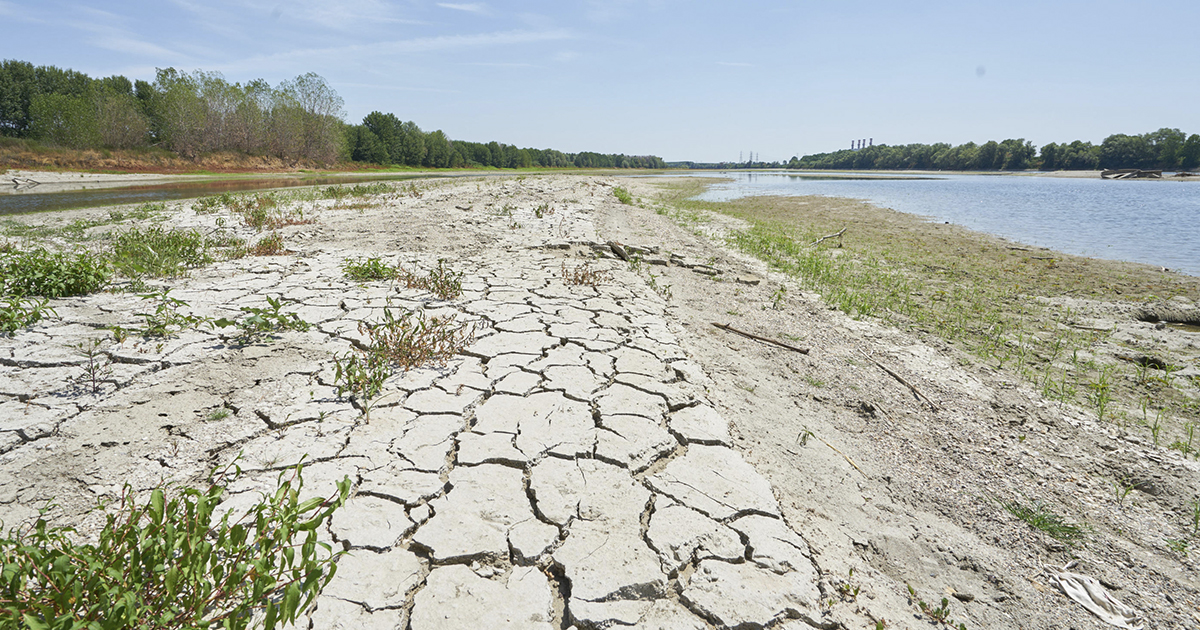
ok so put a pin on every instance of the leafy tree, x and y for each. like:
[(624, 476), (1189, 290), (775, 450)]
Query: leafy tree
[(1189, 154), (68, 121), (365, 146), (1123, 151)]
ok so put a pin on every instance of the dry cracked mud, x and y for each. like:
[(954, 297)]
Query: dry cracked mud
[(599, 456)]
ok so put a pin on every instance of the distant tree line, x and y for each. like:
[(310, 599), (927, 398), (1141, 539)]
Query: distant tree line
[(384, 139), (201, 112), (1166, 149)]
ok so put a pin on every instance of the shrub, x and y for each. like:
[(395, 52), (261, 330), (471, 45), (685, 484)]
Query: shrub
[(623, 195), (51, 274), (158, 252), (170, 563)]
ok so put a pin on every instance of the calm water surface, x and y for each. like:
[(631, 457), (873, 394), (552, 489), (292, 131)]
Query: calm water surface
[(1155, 222)]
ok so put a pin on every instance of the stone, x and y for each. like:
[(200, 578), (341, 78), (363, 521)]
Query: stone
[(609, 560), (716, 481), (508, 342), (576, 381), (530, 539), (746, 595), (473, 519), (622, 612), (774, 546), (682, 535), (632, 441), (339, 614), (367, 521), (455, 597), (667, 614), (623, 399), (700, 424), (435, 400), (376, 580), (428, 440), (399, 482), (488, 448)]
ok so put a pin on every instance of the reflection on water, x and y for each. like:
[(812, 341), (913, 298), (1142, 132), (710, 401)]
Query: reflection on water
[(1149, 221), (93, 197)]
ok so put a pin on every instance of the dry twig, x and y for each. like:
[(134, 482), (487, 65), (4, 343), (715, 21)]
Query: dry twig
[(758, 338)]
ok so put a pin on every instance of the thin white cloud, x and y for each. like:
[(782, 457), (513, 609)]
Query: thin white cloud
[(302, 58), (501, 64), (735, 64), (397, 88), (566, 56), (473, 7)]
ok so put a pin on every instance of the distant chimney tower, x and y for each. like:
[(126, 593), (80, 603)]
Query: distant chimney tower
[(872, 142)]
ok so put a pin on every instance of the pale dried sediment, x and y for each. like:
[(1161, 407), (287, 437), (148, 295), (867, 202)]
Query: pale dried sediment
[(569, 448)]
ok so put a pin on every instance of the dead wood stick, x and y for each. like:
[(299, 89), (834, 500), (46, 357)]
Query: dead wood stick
[(619, 250), (846, 456), (757, 338), (838, 235), (916, 392)]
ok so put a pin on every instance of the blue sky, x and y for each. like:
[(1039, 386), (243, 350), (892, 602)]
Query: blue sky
[(700, 80)]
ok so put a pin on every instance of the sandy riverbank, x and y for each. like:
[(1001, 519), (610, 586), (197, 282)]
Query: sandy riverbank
[(835, 487)]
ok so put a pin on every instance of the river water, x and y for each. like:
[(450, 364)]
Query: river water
[(1155, 222)]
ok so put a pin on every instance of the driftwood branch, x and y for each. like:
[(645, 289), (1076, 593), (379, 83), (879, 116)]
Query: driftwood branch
[(838, 236), (916, 392), (758, 338)]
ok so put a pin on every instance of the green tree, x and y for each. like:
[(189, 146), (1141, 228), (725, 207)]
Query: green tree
[(365, 146), (67, 121), (1123, 151), (1189, 154)]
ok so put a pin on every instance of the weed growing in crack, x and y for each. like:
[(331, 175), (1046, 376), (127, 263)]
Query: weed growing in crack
[(405, 341), (441, 281), (21, 312), (623, 195), (1039, 516), (167, 320), (361, 375), (269, 245), (1179, 546), (260, 321), (368, 269), (413, 339), (937, 614), (170, 563), (584, 274), (97, 365), (158, 253), (1122, 488)]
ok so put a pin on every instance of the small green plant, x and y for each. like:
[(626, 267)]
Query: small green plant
[(1122, 488), (584, 274), (543, 210), (778, 297), (1179, 546), (368, 269), (803, 438), (412, 339), (361, 375), (259, 321), (170, 563), (1039, 516), (1195, 518), (97, 365), (1101, 391), (623, 195), (167, 320), (21, 312), (937, 614), (217, 415), (441, 280), (269, 245), (51, 274), (662, 289), (158, 253)]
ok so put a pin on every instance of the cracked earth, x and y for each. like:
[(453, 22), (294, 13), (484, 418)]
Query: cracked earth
[(598, 456)]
